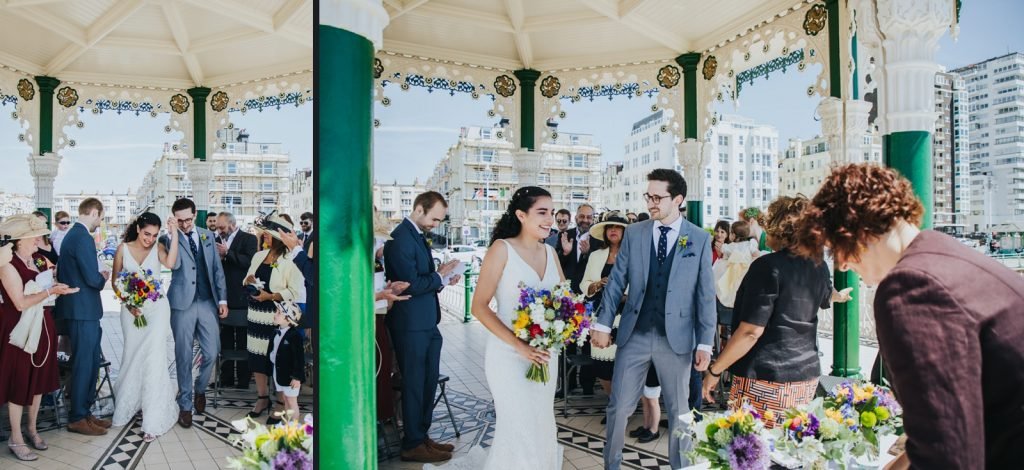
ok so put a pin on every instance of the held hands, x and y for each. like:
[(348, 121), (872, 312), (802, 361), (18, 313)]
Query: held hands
[(172, 228), (222, 311), (701, 360), (600, 339), (532, 354)]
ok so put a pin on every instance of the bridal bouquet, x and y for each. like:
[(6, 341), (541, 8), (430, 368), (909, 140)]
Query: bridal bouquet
[(134, 289), (288, 444), (550, 320), (730, 440)]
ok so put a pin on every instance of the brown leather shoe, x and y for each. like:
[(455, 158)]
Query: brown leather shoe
[(99, 423), (83, 426), (425, 454), (185, 419), (438, 446), (200, 403)]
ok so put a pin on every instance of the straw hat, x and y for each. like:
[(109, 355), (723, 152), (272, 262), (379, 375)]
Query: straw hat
[(381, 226), (21, 226), (610, 218), (274, 224), (291, 312)]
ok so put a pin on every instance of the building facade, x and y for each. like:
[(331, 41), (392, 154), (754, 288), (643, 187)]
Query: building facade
[(647, 148), (394, 200), (806, 163), (478, 178), (248, 178), (743, 168), (300, 195), (13, 203), (951, 159), (119, 209), (995, 90)]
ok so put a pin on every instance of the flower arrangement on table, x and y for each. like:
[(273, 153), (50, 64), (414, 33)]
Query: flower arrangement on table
[(813, 435), (550, 320), (729, 440), (286, 445), (135, 288), (868, 409)]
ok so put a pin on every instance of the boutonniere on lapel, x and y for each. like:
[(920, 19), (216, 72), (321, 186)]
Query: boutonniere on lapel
[(273, 265), (684, 242), (202, 236), (430, 243)]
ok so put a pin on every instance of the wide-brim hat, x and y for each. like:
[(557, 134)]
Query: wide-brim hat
[(21, 226), (610, 218), (274, 224), (381, 226), (291, 311)]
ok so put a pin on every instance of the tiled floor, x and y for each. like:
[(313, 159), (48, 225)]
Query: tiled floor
[(206, 445), (580, 433)]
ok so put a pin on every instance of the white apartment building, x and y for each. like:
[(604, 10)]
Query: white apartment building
[(119, 209), (300, 195), (647, 148), (806, 163), (13, 203), (995, 89), (951, 178), (394, 200), (478, 178), (248, 178), (742, 170)]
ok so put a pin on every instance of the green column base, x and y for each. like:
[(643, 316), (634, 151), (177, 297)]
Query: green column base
[(345, 334), (695, 212), (201, 218), (910, 153), (846, 328)]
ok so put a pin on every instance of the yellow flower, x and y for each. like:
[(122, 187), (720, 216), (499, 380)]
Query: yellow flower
[(769, 415), (834, 415), (723, 423)]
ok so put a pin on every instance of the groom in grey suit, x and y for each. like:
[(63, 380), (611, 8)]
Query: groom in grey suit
[(669, 313), (198, 297)]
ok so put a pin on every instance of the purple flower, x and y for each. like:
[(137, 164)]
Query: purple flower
[(747, 452), (292, 460)]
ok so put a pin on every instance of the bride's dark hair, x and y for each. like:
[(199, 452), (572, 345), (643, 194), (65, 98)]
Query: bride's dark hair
[(144, 220), (509, 225)]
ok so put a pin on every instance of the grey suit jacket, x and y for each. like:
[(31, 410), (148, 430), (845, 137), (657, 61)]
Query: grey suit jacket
[(183, 276), (690, 301)]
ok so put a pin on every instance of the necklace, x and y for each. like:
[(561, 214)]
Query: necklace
[(27, 262)]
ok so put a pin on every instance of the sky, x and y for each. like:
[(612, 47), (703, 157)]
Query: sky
[(113, 152), (418, 127)]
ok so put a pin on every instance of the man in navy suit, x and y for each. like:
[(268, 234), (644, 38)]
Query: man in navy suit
[(413, 322), (79, 267)]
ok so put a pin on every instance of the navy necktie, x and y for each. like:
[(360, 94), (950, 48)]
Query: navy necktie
[(192, 245), (663, 243)]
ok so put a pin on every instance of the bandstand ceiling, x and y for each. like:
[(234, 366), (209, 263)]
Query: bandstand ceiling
[(565, 34), (157, 43)]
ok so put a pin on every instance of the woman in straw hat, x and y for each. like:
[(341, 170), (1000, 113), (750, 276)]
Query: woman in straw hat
[(29, 371), (275, 279), (610, 231)]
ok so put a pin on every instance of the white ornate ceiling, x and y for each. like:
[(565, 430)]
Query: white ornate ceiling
[(565, 34), (157, 43)]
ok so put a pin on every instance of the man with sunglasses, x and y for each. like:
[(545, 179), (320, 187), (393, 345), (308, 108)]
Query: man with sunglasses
[(60, 229), (306, 229), (562, 223)]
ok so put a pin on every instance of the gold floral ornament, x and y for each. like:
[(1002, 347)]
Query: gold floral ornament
[(815, 20), (25, 89), (505, 86), (550, 86), (710, 67), (378, 68), (668, 76), (179, 103), (219, 101), (67, 97)]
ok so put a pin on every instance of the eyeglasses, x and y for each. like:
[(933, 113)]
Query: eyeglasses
[(186, 221), (303, 222), (561, 221), (64, 222), (656, 198)]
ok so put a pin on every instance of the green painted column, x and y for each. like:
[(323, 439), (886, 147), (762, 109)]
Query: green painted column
[(199, 95), (910, 153), (47, 86), (845, 316), (689, 62), (343, 113), (527, 108)]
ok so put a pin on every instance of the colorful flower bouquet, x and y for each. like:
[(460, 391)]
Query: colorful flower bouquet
[(287, 445), (866, 408), (811, 436), (134, 289), (730, 440), (550, 320)]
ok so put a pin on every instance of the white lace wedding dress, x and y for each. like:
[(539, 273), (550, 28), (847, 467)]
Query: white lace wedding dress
[(525, 436), (144, 381)]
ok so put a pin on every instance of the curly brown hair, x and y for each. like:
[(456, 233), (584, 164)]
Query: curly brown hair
[(782, 219), (856, 203)]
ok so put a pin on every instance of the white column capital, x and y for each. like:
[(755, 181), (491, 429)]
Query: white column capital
[(910, 31), (692, 155), (527, 165), (844, 123), (367, 18), (44, 169)]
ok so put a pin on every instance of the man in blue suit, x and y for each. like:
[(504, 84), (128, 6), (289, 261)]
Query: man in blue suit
[(413, 323), (79, 267)]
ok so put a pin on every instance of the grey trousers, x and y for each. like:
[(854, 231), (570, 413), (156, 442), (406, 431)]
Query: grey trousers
[(198, 322), (631, 363)]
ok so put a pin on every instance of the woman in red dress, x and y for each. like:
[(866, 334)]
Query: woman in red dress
[(25, 377)]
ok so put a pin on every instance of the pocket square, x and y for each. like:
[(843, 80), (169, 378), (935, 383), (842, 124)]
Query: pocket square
[(689, 255)]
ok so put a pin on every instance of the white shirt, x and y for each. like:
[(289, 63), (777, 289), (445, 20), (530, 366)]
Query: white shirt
[(56, 238), (231, 238)]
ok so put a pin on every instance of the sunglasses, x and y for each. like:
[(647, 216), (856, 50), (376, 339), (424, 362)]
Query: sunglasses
[(64, 222), (304, 222)]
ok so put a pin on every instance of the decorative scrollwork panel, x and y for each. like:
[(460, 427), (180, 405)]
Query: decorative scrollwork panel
[(271, 93), (19, 100), (81, 99)]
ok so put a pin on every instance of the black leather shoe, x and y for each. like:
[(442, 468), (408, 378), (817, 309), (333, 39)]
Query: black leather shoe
[(648, 437), (640, 431)]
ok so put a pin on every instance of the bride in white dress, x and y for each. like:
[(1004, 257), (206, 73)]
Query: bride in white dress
[(525, 435), (144, 381)]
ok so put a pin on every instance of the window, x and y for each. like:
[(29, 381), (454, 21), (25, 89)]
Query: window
[(268, 201), (182, 166), (723, 211), (579, 180), (268, 186), (723, 193), (739, 140), (233, 185), (740, 177), (740, 193), (266, 168), (707, 174), (768, 160), (578, 161), (636, 145), (707, 193), (485, 133), (230, 168), (757, 158), (388, 201), (574, 139), (740, 158), (708, 209), (486, 155), (657, 137), (723, 175), (647, 158), (723, 157), (723, 140), (231, 200)]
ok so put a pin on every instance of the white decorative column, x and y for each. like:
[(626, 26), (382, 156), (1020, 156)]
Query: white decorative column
[(44, 169), (527, 165), (844, 123), (691, 154), (200, 174)]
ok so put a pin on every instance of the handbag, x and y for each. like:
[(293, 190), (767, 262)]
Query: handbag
[(26, 333)]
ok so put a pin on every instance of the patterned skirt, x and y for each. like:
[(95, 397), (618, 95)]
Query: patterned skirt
[(765, 395)]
